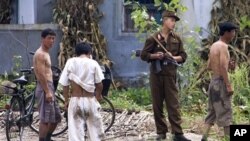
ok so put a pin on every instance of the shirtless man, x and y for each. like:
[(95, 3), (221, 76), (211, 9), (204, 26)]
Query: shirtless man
[(49, 112), (220, 89), (84, 76)]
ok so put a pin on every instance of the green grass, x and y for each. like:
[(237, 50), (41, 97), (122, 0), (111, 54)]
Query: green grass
[(3, 101), (137, 99)]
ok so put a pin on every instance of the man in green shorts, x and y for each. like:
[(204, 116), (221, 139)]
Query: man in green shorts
[(220, 90)]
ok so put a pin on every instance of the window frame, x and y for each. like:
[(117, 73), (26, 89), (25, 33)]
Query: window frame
[(128, 29)]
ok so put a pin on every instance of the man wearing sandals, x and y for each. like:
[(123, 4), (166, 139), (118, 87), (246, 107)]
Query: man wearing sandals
[(84, 76)]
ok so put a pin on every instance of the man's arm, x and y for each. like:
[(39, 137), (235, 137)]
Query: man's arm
[(224, 64), (146, 54), (224, 59), (182, 55), (98, 91), (178, 58), (64, 81), (66, 96), (40, 68), (208, 64), (98, 82)]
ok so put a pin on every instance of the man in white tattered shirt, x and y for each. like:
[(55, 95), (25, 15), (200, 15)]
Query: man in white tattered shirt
[(85, 76)]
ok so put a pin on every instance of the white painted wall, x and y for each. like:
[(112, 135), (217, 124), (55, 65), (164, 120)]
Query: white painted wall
[(198, 14), (26, 11)]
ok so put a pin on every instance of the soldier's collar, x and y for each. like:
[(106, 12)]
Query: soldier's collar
[(170, 33)]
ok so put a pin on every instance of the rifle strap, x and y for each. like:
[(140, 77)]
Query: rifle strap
[(164, 48), (158, 42)]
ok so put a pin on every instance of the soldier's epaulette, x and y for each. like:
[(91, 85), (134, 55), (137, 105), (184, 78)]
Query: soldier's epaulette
[(175, 35)]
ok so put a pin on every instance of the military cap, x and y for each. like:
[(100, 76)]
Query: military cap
[(168, 13)]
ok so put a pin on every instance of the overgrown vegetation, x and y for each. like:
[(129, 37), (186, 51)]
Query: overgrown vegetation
[(131, 99), (5, 11), (241, 99), (236, 12), (146, 23), (78, 20)]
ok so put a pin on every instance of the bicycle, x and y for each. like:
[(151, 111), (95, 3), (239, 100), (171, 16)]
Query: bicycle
[(18, 114), (21, 109)]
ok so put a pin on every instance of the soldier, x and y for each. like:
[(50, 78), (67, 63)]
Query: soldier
[(163, 75), (220, 90)]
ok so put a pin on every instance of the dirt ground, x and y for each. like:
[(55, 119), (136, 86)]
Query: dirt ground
[(31, 136), (126, 128)]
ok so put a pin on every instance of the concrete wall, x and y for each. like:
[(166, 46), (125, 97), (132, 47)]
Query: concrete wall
[(44, 11), (198, 14), (32, 11), (25, 17), (15, 39), (120, 44), (33, 16)]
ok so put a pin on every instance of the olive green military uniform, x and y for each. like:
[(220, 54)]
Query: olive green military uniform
[(163, 83)]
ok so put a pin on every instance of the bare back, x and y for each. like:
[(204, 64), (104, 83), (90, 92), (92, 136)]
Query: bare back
[(42, 65), (219, 59)]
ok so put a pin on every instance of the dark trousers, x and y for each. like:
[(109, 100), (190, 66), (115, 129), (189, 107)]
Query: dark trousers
[(163, 88)]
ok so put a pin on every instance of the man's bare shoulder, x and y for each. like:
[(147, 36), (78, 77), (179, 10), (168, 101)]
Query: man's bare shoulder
[(219, 45), (40, 55)]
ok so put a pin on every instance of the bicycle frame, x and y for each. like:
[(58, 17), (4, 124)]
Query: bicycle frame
[(26, 119)]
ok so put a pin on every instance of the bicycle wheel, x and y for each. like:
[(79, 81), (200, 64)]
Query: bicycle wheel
[(14, 128), (61, 127), (108, 113)]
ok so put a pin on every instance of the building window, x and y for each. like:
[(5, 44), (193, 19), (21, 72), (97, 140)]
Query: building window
[(128, 24)]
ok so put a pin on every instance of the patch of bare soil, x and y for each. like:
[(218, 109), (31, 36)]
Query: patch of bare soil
[(136, 126)]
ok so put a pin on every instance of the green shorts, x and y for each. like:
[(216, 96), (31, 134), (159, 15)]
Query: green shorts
[(219, 103)]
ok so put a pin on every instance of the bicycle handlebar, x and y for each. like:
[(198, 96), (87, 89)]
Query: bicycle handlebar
[(32, 53), (28, 71)]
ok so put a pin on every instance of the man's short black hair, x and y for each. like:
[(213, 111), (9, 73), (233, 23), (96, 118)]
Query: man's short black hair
[(47, 32), (83, 48), (226, 26)]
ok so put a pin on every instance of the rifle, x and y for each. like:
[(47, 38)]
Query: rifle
[(137, 53), (168, 59)]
